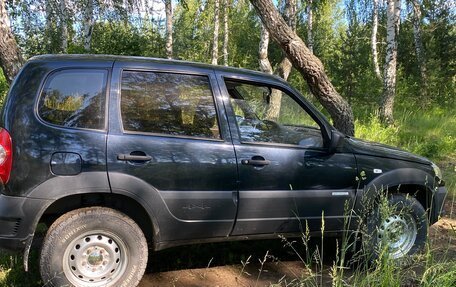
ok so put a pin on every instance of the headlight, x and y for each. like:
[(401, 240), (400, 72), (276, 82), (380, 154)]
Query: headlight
[(437, 171)]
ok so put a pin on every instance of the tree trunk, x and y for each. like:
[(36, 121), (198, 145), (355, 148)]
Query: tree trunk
[(49, 25), (310, 42), (389, 82), (11, 59), (63, 26), (169, 29), (307, 64), (374, 40), (263, 59), (88, 25), (216, 33), (419, 47), (284, 68), (226, 32)]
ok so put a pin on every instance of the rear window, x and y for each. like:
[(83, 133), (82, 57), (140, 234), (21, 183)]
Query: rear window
[(75, 98), (167, 103)]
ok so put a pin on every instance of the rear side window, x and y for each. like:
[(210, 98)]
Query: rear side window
[(75, 98), (166, 103)]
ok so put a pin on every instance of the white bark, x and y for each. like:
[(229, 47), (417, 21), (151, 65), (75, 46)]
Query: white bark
[(88, 24), (169, 29), (310, 42), (226, 32), (63, 25), (374, 39), (263, 59), (419, 45), (389, 81), (49, 23), (216, 33)]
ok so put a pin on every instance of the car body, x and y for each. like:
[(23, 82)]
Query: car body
[(234, 176)]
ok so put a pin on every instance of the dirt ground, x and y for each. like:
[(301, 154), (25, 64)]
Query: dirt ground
[(204, 265)]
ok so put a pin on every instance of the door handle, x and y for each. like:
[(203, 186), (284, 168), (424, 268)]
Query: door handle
[(131, 157), (255, 162)]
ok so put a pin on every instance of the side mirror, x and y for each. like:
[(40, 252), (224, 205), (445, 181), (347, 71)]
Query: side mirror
[(336, 138)]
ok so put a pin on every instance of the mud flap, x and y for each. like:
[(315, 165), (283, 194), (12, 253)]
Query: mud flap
[(28, 246)]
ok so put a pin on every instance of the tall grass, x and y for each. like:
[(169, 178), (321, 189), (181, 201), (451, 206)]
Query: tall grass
[(430, 133), (436, 267)]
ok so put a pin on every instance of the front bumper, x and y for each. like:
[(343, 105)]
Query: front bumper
[(18, 219), (437, 207)]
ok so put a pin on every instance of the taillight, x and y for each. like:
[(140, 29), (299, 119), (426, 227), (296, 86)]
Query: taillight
[(6, 155)]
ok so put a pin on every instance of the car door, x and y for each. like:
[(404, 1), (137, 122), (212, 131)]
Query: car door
[(287, 177), (169, 146)]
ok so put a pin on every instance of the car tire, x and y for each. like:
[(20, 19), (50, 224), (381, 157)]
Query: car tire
[(401, 231), (93, 247)]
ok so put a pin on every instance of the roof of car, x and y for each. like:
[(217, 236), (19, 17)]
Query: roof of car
[(136, 59)]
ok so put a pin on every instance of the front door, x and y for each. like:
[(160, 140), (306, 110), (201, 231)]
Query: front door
[(168, 145), (287, 178)]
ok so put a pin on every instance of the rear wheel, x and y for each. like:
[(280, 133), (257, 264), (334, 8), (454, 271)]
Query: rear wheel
[(93, 247), (399, 230)]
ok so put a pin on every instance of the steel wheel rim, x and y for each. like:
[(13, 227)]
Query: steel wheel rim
[(96, 258), (398, 234)]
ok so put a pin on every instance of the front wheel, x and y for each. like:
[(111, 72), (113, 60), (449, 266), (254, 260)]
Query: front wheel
[(399, 228), (93, 247)]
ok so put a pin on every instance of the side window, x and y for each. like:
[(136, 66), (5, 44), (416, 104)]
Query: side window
[(166, 103), (74, 98), (269, 115)]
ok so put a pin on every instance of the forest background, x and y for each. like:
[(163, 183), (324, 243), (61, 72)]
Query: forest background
[(353, 39)]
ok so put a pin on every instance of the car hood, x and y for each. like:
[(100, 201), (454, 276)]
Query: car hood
[(359, 146)]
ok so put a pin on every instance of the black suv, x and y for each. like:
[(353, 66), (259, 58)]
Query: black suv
[(118, 155)]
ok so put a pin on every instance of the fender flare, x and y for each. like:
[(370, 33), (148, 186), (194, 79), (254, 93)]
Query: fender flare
[(393, 178)]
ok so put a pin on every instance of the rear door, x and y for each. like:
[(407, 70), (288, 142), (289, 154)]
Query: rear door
[(169, 145)]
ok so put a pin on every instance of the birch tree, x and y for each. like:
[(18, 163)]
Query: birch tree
[(50, 24), (389, 82), (417, 18), (87, 24), (307, 64), (263, 58), (63, 14), (374, 39), (225, 31), (10, 56), (310, 41), (216, 33), (169, 29)]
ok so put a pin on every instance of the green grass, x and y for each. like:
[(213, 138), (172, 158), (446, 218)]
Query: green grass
[(430, 133), (12, 273)]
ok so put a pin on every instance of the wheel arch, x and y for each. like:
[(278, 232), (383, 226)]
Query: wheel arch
[(412, 181), (123, 203)]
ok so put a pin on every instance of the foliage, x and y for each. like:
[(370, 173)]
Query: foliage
[(341, 40), (3, 87), (121, 38)]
